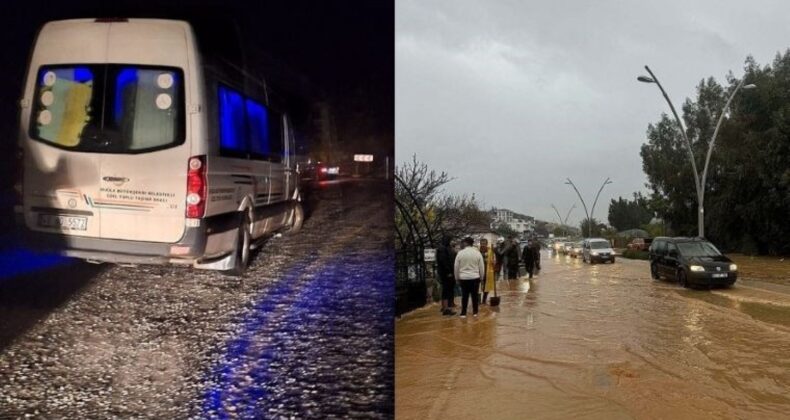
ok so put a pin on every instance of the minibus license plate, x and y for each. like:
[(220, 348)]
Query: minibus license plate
[(719, 275), (63, 222)]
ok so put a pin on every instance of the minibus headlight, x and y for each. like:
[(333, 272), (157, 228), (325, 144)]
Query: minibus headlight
[(697, 268), (733, 267)]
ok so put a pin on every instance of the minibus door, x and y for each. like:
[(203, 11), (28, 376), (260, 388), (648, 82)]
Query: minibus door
[(144, 174)]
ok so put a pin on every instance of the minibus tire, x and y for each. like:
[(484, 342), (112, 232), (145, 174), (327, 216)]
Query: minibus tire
[(297, 218), (243, 240)]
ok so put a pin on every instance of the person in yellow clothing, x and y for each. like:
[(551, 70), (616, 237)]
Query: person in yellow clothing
[(487, 284)]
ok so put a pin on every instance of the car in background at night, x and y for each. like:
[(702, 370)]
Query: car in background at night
[(328, 171), (691, 262), (597, 250), (312, 172)]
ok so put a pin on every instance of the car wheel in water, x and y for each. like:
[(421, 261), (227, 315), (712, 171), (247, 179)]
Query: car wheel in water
[(654, 271), (242, 251), (682, 280)]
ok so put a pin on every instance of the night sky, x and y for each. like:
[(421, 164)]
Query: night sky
[(342, 51)]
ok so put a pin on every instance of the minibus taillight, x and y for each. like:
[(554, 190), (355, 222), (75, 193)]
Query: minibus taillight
[(20, 173), (196, 187)]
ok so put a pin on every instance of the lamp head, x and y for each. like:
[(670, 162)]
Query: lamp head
[(645, 79), (749, 86)]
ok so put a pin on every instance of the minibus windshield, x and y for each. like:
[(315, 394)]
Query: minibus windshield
[(108, 108)]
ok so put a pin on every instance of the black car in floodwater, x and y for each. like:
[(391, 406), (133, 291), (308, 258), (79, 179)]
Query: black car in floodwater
[(691, 261)]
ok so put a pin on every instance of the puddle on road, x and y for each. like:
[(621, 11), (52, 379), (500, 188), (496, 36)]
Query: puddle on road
[(764, 312), (601, 341)]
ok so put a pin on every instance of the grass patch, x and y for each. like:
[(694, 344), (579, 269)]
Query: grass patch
[(636, 255)]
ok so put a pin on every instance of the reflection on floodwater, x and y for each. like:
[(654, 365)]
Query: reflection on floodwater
[(602, 341)]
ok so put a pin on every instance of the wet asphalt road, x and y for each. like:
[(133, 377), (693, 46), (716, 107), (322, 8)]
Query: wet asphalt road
[(603, 341), (306, 333)]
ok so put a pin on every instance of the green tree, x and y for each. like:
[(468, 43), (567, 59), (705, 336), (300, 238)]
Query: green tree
[(559, 231), (504, 230), (629, 214), (596, 229), (747, 197)]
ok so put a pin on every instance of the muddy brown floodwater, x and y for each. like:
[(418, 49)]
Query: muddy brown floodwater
[(601, 341)]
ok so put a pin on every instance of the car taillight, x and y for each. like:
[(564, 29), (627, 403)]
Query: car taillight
[(196, 187), (20, 174)]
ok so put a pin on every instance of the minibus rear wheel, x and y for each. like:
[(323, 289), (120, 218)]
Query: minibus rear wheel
[(242, 250), (297, 218)]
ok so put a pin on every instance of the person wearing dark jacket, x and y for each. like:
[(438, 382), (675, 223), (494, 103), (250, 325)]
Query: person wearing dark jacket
[(537, 256), (499, 254), (445, 260), (511, 253), (528, 255)]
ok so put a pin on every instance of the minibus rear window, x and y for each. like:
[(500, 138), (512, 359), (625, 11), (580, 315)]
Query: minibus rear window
[(109, 108)]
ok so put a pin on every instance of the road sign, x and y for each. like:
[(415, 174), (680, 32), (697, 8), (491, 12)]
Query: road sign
[(363, 158)]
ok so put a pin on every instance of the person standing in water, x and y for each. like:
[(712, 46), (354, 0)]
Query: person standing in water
[(487, 285), (445, 259), (511, 253), (528, 255), (469, 269)]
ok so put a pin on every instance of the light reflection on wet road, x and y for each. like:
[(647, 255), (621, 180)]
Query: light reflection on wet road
[(601, 341)]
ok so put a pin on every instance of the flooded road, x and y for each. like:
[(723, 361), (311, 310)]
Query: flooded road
[(600, 341), (305, 333)]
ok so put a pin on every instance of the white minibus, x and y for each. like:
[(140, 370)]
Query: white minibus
[(137, 148)]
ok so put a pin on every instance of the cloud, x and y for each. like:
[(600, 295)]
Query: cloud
[(512, 97)]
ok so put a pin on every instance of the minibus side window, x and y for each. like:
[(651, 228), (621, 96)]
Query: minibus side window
[(276, 136), (258, 121), (232, 124)]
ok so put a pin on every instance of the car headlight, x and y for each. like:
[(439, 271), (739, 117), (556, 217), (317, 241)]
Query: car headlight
[(595, 253), (697, 268), (733, 267)]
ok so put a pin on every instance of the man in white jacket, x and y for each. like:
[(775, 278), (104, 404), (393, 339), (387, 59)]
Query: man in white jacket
[(469, 270)]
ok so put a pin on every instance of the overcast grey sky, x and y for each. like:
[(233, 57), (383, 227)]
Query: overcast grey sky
[(512, 97)]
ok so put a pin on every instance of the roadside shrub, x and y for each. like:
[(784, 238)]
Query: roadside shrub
[(636, 255)]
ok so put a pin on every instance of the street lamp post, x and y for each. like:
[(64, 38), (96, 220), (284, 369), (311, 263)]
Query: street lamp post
[(589, 215), (698, 184), (565, 222), (592, 210)]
